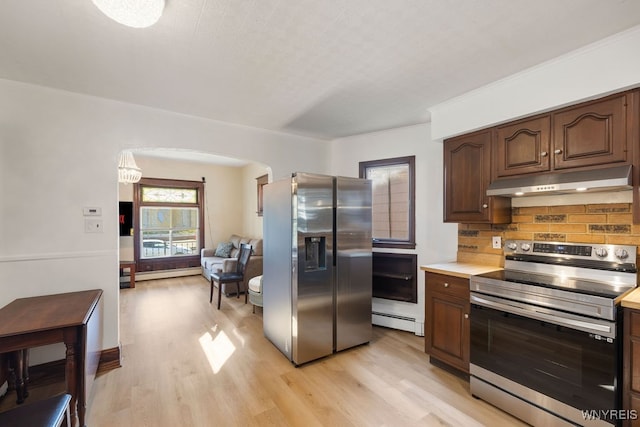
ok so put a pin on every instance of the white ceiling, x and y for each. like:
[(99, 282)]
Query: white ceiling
[(325, 68)]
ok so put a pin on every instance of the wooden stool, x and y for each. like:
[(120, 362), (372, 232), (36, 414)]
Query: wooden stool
[(49, 412)]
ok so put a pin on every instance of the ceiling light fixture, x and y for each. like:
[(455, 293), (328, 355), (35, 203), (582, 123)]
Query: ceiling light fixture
[(128, 171), (132, 13)]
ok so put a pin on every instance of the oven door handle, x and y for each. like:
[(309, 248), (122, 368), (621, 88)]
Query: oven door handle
[(583, 325)]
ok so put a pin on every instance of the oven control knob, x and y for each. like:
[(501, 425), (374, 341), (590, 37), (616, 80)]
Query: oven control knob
[(602, 252), (525, 247), (512, 246), (622, 254)]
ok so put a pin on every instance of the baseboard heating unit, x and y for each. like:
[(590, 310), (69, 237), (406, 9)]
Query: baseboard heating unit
[(395, 321)]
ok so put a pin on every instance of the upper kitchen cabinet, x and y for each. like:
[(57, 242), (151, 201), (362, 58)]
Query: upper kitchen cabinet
[(467, 173), (589, 134), (522, 147), (592, 134)]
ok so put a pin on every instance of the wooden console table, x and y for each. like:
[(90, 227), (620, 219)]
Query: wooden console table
[(131, 265), (74, 319)]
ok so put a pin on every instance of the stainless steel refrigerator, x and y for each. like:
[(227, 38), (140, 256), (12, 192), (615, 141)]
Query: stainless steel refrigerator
[(317, 265)]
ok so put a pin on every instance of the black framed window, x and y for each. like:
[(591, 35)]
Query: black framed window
[(393, 183)]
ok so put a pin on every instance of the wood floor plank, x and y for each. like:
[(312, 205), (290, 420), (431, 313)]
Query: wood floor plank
[(185, 363)]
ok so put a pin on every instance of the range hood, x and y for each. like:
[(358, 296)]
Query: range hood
[(597, 180)]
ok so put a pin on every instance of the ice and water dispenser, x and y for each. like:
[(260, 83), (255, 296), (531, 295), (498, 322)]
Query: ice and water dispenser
[(315, 253)]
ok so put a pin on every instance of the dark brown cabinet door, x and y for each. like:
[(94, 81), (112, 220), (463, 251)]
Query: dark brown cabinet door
[(447, 338), (591, 134), (447, 330), (522, 147), (467, 173)]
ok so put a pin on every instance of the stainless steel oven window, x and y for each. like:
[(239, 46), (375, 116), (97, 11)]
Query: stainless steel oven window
[(571, 366)]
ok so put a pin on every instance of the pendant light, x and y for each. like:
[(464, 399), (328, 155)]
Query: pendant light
[(128, 171)]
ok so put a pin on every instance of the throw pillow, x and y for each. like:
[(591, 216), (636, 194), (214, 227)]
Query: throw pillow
[(224, 249)]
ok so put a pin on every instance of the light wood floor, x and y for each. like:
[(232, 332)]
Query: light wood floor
[(184, 363)]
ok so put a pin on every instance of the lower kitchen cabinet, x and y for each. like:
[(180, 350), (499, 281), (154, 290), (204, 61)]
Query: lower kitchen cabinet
[(631, 364), (447, 319)]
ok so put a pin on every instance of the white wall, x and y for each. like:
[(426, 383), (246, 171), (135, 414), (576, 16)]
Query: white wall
[(435, 240), (58, 154), (607, 66)]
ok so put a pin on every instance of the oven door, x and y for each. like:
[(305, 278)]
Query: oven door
[(558, 355)]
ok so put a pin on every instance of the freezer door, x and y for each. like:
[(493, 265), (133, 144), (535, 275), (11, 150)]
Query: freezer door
[(312, 291), (353, 262)]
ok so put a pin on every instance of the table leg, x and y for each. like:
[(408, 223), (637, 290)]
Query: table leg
[(18, 371), (11, 380), (132, 275), (71, 377), (25, 371)]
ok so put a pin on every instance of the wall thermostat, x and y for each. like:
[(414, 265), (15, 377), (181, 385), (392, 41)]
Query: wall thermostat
[(92, 211)]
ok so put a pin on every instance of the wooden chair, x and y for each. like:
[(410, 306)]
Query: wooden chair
[(233, 276)]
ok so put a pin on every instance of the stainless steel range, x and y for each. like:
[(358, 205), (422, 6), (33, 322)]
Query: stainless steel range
[(546, 332)]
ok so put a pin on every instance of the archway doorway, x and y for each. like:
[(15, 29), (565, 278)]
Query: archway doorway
[(230, 200)]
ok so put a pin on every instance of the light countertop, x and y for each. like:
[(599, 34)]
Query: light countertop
[(632, 300), (464, 270)]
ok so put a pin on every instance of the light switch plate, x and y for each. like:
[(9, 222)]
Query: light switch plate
[(92, 225), (496, 242)]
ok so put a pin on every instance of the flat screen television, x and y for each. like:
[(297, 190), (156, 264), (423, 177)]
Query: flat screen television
[(126, 218)]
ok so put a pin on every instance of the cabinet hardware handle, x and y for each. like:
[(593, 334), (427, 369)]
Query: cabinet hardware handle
[(446, 285), (485, 206), (544, 154), (466, 316), (558, 151)]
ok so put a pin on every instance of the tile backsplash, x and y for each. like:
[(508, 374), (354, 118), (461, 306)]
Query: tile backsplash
[(580, 223)]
